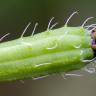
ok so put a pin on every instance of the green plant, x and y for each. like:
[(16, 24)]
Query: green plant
[(50, 52)]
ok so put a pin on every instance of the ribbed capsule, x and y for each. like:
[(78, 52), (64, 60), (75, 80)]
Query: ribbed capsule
[(45, 53)]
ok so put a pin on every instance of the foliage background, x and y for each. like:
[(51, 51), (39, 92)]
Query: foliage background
[(15, 15)]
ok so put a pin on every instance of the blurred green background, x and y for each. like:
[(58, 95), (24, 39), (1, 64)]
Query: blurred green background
[(15, 15)]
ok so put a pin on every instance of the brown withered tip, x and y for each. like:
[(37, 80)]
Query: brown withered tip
[(93, 34), (94, 49)]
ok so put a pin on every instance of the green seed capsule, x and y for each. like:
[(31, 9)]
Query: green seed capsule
[(53, 51)]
